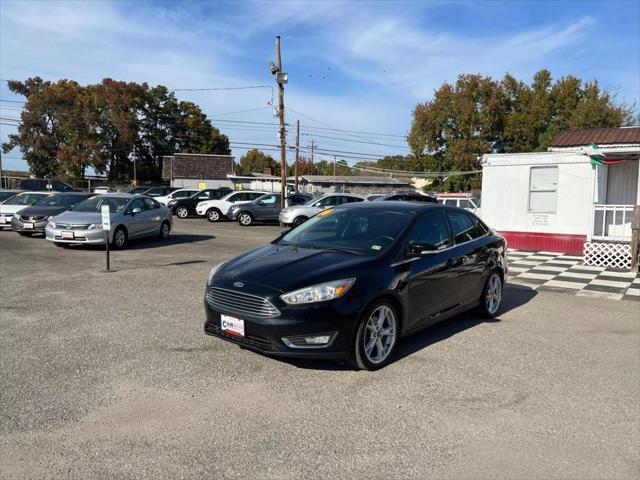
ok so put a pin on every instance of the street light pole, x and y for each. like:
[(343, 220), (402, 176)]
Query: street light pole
[(295, 168), (283, 158)]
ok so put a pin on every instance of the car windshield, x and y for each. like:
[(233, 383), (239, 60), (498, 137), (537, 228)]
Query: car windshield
[(60, 200), (365, 232), (25, 198), (94, 204), (5, 195)]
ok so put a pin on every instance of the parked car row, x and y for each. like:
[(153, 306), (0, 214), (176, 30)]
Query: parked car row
[(66, 218)]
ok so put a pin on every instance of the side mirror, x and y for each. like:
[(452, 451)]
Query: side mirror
[(420, 249), (136, 210)]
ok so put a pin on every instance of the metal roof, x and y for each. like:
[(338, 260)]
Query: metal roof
[(601, 136)]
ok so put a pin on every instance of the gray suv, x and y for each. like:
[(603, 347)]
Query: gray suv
[(131, 216)]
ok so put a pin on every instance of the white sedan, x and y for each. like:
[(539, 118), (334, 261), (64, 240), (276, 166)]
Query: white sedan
[(216, 209)]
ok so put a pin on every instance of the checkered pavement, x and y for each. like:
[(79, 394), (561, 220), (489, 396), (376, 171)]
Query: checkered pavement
[(559, 272)]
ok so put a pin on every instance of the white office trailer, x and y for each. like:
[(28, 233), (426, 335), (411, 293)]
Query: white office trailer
[(576, 198)]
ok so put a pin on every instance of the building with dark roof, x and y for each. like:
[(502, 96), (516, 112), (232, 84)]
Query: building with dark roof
[(197, 170), (579, 137)]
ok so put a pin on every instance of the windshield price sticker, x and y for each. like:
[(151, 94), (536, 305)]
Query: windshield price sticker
[(106, 219)]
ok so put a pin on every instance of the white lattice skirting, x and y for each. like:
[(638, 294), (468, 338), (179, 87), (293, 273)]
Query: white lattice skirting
[(602, 254)]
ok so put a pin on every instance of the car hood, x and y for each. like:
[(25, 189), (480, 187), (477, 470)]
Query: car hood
[(10, 209), (287, 267), (36, 211), (79, 218), (301, 209)]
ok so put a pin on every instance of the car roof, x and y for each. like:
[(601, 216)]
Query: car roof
[(72, 193), (397, 206)]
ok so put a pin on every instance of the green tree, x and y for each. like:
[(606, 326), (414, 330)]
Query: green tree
[(256, 161), (478, 115)]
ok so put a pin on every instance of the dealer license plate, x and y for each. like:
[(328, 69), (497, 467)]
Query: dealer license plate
[(67, 235), (232, 325), (28, 226)]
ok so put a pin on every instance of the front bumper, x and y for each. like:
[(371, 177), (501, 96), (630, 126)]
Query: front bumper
[(335, 318), (36, 226), (232, 214), (58, 235), (286, 218), (5, 220)]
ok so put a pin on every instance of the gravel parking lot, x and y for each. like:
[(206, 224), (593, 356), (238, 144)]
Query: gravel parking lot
[(109, 375)]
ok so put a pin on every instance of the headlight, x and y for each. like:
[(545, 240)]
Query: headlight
[(95, 226), (213, 272), (171, 203), (319, 293), (52, 222)]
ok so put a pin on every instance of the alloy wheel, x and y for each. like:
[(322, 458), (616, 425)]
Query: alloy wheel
[(213, 215), (120, 238), (164, 230), (493, 294), (182, 212), (380, 334), (245, 219)]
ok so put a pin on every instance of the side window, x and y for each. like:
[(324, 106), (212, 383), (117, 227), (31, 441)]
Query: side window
[(253, 196), (138, 203), (183, 194), (269, 199), (351, 199), (464, 227), (154, 192), (205, 196), (151, 204), (235, 198), (328, 201), (431, 229)]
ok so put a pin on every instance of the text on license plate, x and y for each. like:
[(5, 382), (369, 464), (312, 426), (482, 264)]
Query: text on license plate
[(232, 325), (67, 235), (28, 226), (3, 220)]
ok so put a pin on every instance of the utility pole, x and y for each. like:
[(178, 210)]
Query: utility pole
[(135, 178), (1, 181), (295, 168), (313, 146), (283, 154)]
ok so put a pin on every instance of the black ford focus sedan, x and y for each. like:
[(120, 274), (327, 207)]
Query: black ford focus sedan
[(351, 281)]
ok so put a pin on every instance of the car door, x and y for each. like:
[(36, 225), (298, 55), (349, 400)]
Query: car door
[(153, 216), (268, 207), (136, 222), (201, 197), (470, 253), (432, 279)]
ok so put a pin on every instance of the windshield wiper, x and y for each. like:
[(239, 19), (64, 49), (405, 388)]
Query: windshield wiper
[(338, 249)]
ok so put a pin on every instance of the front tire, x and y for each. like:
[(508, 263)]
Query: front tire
[(182, 212), (119, 238), (376, 337), (299, 221), (491, 298), (245, 219), (213, 215), (165, 229)]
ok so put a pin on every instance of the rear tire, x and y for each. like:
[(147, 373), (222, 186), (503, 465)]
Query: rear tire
[(182, 212), (299, 221), (491, 298), (213, 215), (245, 219), (119, 238), (376, 338)]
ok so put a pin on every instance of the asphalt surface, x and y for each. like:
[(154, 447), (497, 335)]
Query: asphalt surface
[(109, 375)]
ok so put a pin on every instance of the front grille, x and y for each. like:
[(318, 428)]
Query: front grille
[(26, 218), (241, 303), (67, 226), (249, 340)]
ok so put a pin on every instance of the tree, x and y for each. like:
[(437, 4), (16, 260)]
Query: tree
[(255, 161), (66, 127), (479, 115)]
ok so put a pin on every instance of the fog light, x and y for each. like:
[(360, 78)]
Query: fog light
[(319, 340), (310, 341)]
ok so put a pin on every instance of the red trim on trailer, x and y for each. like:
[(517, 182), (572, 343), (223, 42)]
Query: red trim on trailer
[(549, 242)]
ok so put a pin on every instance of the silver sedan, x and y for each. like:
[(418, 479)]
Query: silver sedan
[(131, 217)]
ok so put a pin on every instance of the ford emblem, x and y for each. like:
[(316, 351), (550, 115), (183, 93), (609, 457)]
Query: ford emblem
[(238, 284)]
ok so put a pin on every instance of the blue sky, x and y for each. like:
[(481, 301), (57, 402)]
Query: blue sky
[(352, 65)]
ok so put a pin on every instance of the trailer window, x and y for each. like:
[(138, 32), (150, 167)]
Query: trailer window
[(543, 189)]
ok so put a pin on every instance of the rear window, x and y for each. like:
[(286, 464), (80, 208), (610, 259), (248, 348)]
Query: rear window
[(465, 227)]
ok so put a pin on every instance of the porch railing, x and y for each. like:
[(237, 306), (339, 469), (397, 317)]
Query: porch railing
[(612, 222)]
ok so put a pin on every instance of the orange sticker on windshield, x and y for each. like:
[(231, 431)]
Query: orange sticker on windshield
[(325, 212)]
